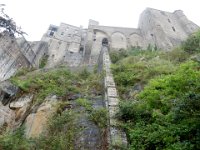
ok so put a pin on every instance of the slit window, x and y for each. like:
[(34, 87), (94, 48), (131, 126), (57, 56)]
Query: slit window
[(173, 29)]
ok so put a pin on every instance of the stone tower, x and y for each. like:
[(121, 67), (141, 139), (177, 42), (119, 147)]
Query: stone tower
[(165, 29)]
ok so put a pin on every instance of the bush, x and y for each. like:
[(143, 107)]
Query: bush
[(115, 56), (84, 74), (14, 140), (192, 44), (61, 131), (166, 113), (99, 117), (43, 61)]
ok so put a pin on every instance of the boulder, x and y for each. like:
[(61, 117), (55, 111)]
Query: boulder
[(21, 102), (7, 116), (7, 90), (36, 122)]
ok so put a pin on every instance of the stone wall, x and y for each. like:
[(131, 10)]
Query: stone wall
[(40, 49), (157, 28), (165, 29), (11, 57), (33, 51), (117, 137), (26, 49), (64, 41)]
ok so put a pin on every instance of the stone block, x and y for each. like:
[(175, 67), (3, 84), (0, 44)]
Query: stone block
[(109, 81), (112, 101), (118, 137), (21, 101), (113, 122), (112, 111), (112, 92)]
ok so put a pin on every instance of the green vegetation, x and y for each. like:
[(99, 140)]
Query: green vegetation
[(61, 132), (192, 44), (159, 108), (73, 90), (99, 117), (43, 61), (42, 84), (14, 140), (60, 82), (160, 97), (85, 103)]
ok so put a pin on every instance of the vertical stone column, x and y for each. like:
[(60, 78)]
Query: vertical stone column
[(117, 137)]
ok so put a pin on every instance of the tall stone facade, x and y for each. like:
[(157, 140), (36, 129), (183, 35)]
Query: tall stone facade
[(76, 46), (165, 29), (65, 44)]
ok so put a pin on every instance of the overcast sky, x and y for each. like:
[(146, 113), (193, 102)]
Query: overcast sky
[(34, 16)]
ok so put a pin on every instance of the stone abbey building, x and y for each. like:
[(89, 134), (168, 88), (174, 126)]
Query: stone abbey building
[(75, 46), (159, 28)]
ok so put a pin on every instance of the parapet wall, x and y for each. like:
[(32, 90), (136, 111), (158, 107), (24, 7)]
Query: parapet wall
[(117, 137)]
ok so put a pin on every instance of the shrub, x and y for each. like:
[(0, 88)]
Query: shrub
[(61, 132), (43, 61), (99, 117), (15, 140), (165, 115), (115, 56), (84, 74), (85, 103), (192, 44)]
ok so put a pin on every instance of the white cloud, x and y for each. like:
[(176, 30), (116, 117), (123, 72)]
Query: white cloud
[(34, 16)]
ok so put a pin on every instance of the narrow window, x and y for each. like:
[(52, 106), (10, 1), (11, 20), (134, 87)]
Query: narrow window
[(173, 29), (169, 20)]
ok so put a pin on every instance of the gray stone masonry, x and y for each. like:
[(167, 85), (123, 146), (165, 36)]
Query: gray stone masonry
[(117, 137)]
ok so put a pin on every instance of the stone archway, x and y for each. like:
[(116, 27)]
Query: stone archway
[(136, 40), (118, 41), (98, 38)]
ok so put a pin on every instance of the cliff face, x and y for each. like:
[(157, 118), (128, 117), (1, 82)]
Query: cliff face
[(11, 57), (18, 53)]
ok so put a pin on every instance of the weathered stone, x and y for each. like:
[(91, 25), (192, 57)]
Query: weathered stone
[(36, 122), (113, 101), (113, 110), (8, 87), (118, 137), (20, 113), (22, 101), (11, 56), (112, 92), (7, 116), (109, 81), (7, 90)]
